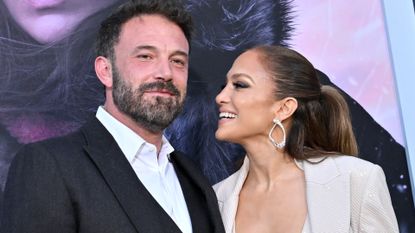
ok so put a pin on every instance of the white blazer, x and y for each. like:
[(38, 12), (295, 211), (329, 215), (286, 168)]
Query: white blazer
[(344, 194)]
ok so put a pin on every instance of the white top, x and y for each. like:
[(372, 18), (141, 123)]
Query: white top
[(156, 172), (344, 195)]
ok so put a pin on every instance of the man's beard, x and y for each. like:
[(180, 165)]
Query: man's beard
[(153, 114)]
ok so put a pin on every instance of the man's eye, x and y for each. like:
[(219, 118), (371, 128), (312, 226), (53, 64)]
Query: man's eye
[(144, 57), (178, 62)]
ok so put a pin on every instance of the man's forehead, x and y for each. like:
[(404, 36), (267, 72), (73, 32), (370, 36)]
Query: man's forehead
[(153, 29), (153, 21)]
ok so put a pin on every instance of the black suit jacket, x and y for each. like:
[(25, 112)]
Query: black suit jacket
[(83, 183)]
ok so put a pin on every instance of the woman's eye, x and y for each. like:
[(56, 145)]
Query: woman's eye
[(238, 85)]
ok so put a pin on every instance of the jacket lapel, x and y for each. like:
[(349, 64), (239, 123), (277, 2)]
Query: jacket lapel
[(200, 198), (328, 196), (140, 207), (228, 196), (327, 190)]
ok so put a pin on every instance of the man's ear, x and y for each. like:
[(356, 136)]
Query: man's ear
[(103, 69), (286, 108)]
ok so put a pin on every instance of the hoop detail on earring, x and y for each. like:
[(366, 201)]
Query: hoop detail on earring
[(281, 144)]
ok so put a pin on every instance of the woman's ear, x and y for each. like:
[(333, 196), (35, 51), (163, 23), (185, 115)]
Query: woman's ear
[(286, 108), (103, 69)]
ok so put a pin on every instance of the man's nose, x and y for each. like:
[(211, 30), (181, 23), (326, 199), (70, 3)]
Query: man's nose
[(164, 71)]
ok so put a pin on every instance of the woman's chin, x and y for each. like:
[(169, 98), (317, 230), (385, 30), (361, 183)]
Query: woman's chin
[(221, 135)]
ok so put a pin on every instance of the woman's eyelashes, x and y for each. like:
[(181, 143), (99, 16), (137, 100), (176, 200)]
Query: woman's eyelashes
[(235, 85), (239, 85)]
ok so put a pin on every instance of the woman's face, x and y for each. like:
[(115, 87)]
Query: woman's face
[(51, 20), (246, 104)]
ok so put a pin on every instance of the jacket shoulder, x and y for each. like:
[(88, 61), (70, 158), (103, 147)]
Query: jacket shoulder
[(360, 171), (352, 164), (371, 204)]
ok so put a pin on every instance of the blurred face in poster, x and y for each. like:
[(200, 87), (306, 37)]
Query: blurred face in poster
[(51, 20)]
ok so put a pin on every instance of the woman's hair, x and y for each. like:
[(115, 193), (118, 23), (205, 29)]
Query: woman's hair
[(321, 123)]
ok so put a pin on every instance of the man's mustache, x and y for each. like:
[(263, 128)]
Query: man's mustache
[(169, 86)]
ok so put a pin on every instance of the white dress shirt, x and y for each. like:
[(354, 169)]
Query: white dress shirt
[(156, 172)]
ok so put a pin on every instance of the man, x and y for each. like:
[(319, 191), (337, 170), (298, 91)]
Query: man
[(118, 173)]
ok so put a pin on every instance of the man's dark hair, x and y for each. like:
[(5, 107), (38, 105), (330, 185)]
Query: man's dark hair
[(110, 29)]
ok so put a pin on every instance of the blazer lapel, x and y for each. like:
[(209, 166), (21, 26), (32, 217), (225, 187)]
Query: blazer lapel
[(228, 197), (328, 197), (200, 198), (140, 207)]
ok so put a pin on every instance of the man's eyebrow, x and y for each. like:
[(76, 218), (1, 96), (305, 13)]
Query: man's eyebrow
[(154, 49), (180, 53), (144, 47)]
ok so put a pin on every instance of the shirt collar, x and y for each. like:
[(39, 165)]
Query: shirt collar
[(129, 142)]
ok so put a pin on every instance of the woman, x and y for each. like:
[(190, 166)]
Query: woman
[(297, 175)]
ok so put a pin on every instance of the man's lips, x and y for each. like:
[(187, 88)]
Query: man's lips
[(160, 92), (159, 89)]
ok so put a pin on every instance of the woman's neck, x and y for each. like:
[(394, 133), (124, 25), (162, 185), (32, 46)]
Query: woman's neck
[(269, 166)]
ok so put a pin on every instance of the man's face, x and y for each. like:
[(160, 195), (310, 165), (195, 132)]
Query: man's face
[(51, 20), (150, 71)]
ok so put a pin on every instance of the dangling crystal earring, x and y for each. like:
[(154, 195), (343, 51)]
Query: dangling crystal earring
[(281, 144)]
